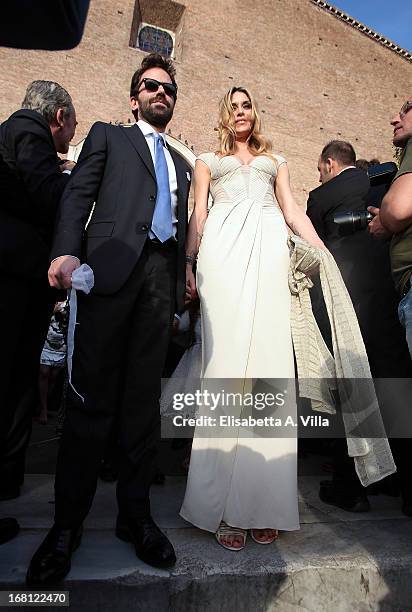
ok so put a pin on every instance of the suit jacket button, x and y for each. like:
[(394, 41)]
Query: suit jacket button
[(144, 228), (152, 198)]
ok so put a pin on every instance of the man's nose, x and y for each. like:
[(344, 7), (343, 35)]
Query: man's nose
[(396, 119)]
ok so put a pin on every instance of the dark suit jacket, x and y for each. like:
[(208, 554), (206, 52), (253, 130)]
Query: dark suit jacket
[(31, 186), (115, 170), (365, 267)]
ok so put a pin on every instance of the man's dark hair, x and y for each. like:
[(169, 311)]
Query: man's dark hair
[(154, 60), (340, 151)]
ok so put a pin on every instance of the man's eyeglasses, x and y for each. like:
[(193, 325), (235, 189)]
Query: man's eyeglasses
[(152, 85), (405, 108)]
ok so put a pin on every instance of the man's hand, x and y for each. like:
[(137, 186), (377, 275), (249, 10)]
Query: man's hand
[(60, 271), (375, 227), (67, 165), (191, 293)]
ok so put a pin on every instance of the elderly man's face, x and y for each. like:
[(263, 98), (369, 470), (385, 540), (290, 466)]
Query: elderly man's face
[(65, 130), (402, 124)]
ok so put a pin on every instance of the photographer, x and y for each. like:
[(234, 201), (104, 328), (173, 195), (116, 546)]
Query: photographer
[(32, 180), (395, 218), (365, 267)]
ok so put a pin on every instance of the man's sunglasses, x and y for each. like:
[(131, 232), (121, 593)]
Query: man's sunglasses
[(152, 85), (405, 109)]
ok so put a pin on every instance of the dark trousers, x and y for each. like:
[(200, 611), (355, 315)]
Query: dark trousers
[(120, 347), (26, 306), (394, 402), (345, 479)]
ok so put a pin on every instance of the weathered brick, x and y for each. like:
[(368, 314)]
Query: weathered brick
[(315, 77)]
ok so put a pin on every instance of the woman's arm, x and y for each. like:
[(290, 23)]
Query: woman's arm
[(295, 216), (196, 223)]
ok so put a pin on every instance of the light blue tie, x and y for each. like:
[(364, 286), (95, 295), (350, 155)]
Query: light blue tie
[(162, 226)]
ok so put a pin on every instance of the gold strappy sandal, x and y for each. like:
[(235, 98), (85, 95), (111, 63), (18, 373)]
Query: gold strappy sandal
[(225, 530), (275, 537)]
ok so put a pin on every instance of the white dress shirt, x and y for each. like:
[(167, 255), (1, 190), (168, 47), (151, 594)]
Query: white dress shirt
[(148, 132)]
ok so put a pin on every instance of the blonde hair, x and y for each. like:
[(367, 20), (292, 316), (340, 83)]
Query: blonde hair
[(257, 143)]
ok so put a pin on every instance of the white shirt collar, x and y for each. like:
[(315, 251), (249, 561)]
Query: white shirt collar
[(148, 130), (343, 170)]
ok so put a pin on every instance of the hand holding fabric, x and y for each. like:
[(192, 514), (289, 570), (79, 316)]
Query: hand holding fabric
[(60, 271)]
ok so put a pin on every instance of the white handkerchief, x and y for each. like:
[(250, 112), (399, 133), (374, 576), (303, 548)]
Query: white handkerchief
[(82, 280)]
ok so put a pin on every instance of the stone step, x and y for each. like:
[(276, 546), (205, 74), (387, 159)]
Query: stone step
[(336, 562)]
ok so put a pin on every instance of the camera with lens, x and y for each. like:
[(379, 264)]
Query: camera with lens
[(354, 220)]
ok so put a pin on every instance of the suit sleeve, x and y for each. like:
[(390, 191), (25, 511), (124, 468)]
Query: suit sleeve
[(80, 194), (314, 212), (35, 162), (320, 312)]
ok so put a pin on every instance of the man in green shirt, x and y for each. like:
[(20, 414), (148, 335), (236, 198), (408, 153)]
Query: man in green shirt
[(394, 221), (395, 217)]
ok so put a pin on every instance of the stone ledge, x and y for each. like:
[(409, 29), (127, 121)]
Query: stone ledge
[(336, 562)]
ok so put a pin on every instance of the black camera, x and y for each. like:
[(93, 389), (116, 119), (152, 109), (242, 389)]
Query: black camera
[(354, 220)]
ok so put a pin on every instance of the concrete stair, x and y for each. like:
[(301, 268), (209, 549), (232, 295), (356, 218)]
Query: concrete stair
[(336, 562)]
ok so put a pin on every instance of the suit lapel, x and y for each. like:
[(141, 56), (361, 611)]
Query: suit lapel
[(135, 136), (183, 186)]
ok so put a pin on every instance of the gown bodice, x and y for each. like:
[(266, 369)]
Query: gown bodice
[(232, 181)]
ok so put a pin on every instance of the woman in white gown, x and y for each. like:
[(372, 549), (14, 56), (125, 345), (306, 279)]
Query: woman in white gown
[(243, 482)]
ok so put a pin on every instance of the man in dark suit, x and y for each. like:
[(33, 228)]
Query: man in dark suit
[(31, 185), (365, 267), (135, 244)]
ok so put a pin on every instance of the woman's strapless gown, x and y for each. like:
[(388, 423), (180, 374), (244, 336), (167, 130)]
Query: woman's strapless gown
[(248, 481)]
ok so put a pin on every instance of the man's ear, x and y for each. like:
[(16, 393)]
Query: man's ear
[(60, 118), (330, 164), (134, 104)]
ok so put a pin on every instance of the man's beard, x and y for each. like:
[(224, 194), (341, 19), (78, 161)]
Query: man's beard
[(158, 117)]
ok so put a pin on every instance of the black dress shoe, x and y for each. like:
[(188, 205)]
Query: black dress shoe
[(351, 503), (9, 528), (52, 561), (151, 545)]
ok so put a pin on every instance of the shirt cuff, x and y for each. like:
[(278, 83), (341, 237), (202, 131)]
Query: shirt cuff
[(74, 256)]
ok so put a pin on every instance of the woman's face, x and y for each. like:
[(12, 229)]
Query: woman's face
[(242, 110)]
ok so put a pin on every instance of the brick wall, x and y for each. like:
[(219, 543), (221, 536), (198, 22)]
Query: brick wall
[(315, 78)]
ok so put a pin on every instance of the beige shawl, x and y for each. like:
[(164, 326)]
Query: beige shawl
[(348, 372)]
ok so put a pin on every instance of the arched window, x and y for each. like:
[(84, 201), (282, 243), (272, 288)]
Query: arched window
[(154, 39)]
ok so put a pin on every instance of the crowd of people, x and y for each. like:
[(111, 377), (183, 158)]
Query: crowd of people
[(113, 231)]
